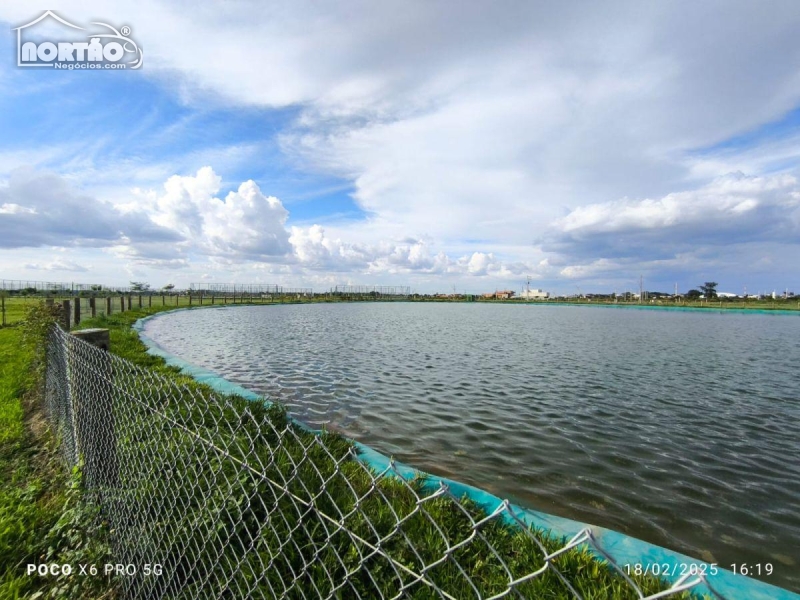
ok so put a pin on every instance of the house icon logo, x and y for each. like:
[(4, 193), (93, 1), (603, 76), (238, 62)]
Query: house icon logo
[(75, 47)]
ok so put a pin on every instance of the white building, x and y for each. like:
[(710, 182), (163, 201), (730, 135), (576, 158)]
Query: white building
[(534, 294)]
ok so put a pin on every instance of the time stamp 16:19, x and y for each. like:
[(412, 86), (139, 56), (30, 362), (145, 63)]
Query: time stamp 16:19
[(681, 569)]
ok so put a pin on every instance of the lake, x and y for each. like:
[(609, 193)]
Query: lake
[(679, 428)]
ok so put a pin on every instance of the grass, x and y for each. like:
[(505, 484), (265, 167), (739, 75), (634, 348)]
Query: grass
[(42, 515), (196, 511), (207, 521)]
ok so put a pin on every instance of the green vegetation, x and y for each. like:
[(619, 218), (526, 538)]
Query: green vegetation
[(43, 517), (199, 512), (187, 497)]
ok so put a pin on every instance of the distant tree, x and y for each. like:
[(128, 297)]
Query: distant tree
[(97, 288), (709, 289), (169, 287), (693, 294), (139, 286)]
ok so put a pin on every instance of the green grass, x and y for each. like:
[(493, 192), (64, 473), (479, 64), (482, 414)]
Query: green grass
[(15, 378), (42, 515), (181, 496), (181, 500)]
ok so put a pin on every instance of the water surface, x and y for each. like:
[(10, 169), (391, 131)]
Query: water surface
[(680, 428)]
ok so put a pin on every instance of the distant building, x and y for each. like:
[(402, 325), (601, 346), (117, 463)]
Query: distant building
[(499, 294), (534, 294)]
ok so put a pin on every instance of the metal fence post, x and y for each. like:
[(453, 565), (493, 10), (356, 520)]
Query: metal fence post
[(93, 400)]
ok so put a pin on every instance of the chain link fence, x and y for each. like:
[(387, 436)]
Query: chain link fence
[(211, 496)]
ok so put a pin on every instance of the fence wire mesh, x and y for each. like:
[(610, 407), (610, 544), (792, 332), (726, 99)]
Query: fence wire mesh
[(228, 498)]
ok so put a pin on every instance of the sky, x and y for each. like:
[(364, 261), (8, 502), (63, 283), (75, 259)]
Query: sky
[(440, 145)]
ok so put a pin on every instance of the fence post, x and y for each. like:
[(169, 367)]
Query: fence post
[(65, 314), (93, 398), (77, 311), (140, 301), (3, 305), (150, 300), (108, 305), (130, 302), (122, 304), (190, 298)]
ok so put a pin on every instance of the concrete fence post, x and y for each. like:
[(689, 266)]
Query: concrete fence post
[(77, 319), (65, 314), (122, 304), (93, 402), (108, 305), (140, 301), (93, 307)]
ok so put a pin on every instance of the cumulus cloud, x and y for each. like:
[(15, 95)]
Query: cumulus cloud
[(467, 121), (189, 220), (245, 223), (161, 229), (316, 251), (734, 209), (43, 209)]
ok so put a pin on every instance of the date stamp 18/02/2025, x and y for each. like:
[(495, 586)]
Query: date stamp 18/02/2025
[(681, 569)]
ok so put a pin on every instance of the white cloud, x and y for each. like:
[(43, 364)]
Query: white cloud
[(245, 224), (731, 209), (476, 127), (58, 265)]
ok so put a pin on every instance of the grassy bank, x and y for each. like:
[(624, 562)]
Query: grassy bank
[(216, 492), (45, 518), (42, 516)]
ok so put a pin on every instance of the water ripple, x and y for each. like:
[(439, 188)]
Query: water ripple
[(679, 428)]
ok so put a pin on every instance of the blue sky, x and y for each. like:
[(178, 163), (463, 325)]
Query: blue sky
[(461, 145)]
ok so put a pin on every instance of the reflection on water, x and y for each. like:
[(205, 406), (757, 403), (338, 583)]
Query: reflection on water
[(679, 428)]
